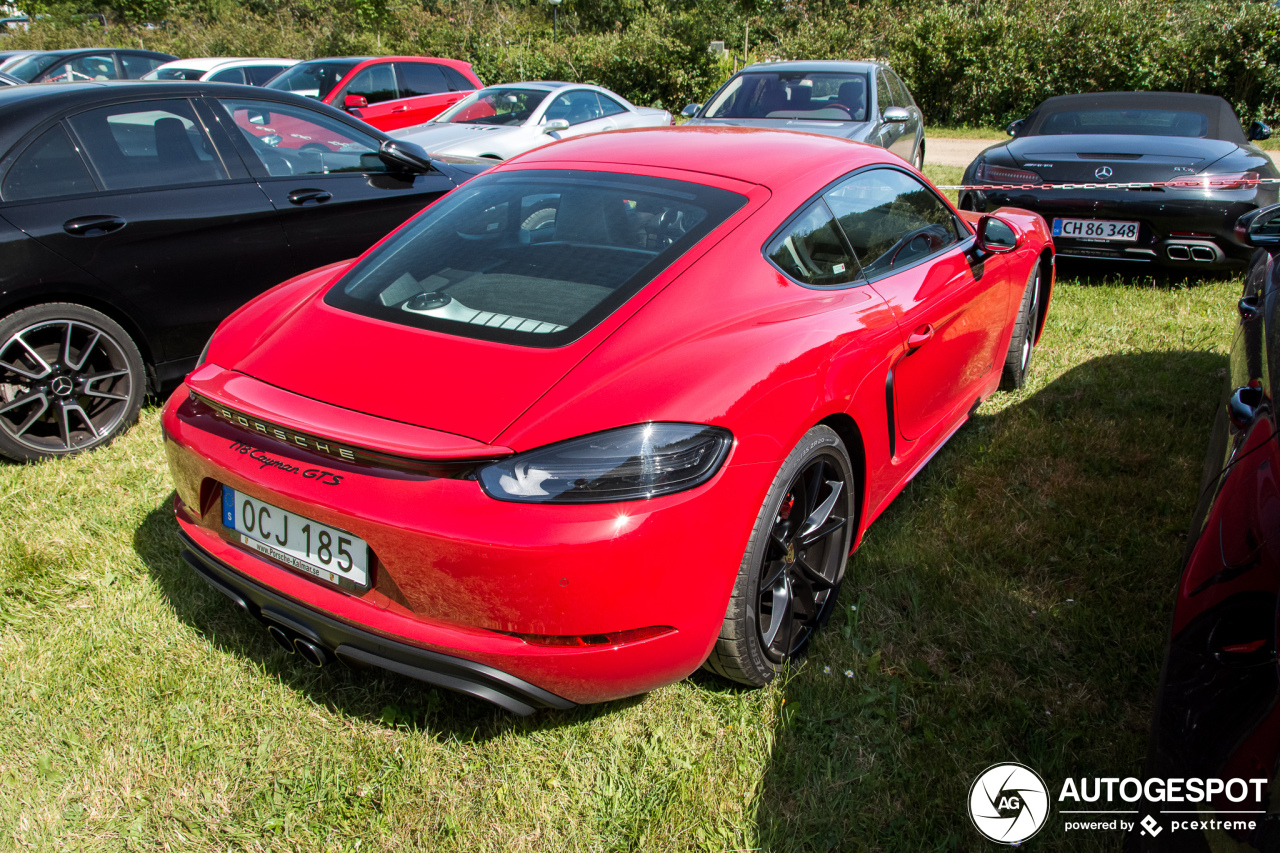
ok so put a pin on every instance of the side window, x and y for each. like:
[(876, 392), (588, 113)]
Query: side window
[(891, 219), (292, 140), (811, 249), (76, 69), (420, 78), (609, 107), (901, 97), (457, 82), (377, 83), (884, 95), (576, 106), (228, 75), (258, 75), (147, 144), (135, 65), (49, 167)]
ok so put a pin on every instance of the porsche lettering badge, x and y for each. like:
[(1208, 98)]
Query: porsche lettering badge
[(301, 440)]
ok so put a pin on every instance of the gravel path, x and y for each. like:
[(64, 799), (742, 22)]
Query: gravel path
[(953, 152)]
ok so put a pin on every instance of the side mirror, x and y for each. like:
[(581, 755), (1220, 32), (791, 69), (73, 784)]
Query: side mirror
[(1014, 127), (691, 110), (555, 125), (1260, 227), (1258, 131), (354, 102), (996, 236), (404, 156), (896, 115)]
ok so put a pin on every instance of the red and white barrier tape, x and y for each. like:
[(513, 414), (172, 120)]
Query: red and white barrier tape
[(1189, 183)]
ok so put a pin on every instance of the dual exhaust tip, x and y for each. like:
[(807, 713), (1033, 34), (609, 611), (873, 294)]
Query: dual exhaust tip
[(1193, 252), (292, 643)]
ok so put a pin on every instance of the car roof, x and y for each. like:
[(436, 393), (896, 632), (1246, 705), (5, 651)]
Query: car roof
[(22, 106), (815, 65), (340, 59), (211, 63), (762, 156), (73, 51), (548, 85), (1223, 122)]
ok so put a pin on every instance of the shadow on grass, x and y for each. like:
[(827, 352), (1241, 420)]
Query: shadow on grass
[(1086, 272), (1011, 605), (369, 694)]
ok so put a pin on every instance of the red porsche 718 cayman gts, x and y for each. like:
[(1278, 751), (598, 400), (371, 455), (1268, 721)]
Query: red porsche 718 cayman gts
[(616, 409)]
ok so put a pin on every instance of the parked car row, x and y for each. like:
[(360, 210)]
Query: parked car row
[(557, 302)]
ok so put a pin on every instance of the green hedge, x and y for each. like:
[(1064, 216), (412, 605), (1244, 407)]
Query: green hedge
[(975, 62)]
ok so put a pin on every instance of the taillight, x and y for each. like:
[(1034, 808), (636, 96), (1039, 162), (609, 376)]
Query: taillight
[(1233, 181), (989, 174)]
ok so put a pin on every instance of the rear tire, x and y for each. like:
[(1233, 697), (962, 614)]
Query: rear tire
[(71, 380), (791, 572), (1017, 363)]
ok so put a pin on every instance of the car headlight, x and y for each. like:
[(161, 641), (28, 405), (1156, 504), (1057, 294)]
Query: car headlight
[(627, 464)]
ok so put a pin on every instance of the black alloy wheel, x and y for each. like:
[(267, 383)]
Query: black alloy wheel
[(71, 379), (794, 563), (803, 560)]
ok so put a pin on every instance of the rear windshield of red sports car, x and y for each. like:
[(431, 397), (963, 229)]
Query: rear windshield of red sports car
[(535, 258)]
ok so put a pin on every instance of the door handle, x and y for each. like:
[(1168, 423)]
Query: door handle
[(85, 226), (304, 196), (1248, 307), (403, 109), (1243, 404), (919, 338)]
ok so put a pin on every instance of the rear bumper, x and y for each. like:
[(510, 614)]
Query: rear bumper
[(351, 644), (1166, 218)]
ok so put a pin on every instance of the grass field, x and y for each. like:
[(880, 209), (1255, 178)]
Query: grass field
[(1011, 604)]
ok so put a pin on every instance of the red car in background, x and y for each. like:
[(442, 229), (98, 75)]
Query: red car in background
[(388, 92), (615, 409)]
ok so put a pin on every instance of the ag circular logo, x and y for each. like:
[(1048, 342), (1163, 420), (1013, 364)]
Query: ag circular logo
[(1008, 803)]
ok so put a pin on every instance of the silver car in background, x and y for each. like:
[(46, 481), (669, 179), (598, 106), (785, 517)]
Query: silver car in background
[(499, 122), (862, 101)]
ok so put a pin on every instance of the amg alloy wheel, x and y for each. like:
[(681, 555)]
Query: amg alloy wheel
[(70, 379), (791, 572)]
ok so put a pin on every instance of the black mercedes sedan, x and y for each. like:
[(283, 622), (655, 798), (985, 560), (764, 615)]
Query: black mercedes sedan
[(1192, 146), (136, 216), (1217, 711)]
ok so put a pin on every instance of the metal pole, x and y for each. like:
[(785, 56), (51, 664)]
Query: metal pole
[(555, 24)]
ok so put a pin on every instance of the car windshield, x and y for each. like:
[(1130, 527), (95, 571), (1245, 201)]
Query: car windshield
[(29, 67), (500, 105), (813, 96), (176, 74), (533, 257), (1133, 122), (313, 79)]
